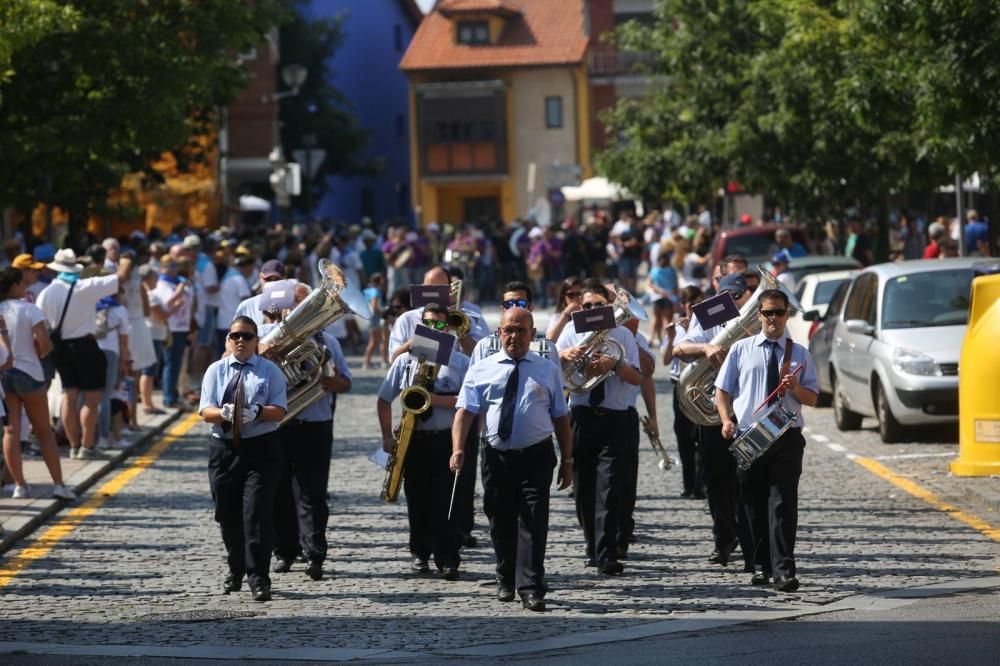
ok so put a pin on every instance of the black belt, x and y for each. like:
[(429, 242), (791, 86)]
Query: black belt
[(523, 449), (430, 433), (244, 441), (296, 422), (602, 411)]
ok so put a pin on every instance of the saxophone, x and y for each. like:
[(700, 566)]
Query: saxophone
[(696, 385), (415, 399)]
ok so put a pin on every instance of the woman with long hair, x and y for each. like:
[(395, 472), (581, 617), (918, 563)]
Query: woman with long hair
[(24, 384), (570, 300)]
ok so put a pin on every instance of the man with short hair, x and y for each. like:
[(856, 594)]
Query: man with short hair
[(769, 366), (206, 289), (783, 237), (234, 289), (977, 235), (179, 330), (780, 261)]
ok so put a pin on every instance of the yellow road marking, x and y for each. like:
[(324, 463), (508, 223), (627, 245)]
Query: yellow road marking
[(48, 540), (918, 491)]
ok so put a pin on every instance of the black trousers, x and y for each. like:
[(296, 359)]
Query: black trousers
[(692, 472), (728, 519), (598, 477), (465, 495), (516, 502), (243, 480), (630, 479), (427, 482), (770, 494), (301, 512)]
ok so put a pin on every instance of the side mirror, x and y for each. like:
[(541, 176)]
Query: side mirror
[(811, 315), (859, 326)]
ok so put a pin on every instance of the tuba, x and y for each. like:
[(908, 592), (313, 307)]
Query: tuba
[(598, 343), (293, 346), (697, 381), (415, 399), (458, 321)]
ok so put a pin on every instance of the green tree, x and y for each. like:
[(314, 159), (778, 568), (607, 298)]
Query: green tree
[(133, 80), (25, 22)]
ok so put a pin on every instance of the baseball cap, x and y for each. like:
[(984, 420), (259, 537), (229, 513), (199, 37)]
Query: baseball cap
[(272, 269), (191, 242), (780, 258), (26, 261), (45, 252), (733, 282)]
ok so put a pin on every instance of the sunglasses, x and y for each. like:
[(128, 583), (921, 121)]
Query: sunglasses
[(236, 336), (514, 330), (436, 324), (773, 313), (515, 303), (588, 306)]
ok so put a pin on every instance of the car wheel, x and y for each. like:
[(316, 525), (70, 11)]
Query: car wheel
[(842, 416), (888, 427)]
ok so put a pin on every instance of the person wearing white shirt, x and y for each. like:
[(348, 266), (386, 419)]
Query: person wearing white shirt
[(234, 290), (22, 326), (206, 290), (69, 304), (159, 312), (179, 327), (113, 329)]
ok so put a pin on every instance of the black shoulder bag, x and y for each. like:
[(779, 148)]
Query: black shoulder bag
[(56, 334)]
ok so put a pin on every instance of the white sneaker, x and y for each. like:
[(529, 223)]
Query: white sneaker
[(64, 493), (74, 453), (120, 444), (22, 492), (89, 454)]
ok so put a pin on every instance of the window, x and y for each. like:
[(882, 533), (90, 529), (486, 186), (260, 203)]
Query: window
[(473, 32), (397, 35), (553, 112)]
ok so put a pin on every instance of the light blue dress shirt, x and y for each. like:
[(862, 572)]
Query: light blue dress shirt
[(250, 307), (406, 324), (322, 409), (618, 394), (491, 345), (448, 382), (744, 376), (539, 398), (263, 384)]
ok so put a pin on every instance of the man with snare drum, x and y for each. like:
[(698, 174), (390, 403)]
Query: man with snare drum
[(760, 372)]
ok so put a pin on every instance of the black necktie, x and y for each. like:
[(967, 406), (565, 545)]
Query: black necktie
[(230, 393), (597, 395), (509, 402), (772, 372)]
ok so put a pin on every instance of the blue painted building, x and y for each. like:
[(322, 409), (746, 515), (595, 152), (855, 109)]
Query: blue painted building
[(366, 70)]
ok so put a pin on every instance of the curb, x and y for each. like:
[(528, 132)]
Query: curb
[(45, 508)]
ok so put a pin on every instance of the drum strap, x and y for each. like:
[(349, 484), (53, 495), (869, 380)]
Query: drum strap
[(786, 359)]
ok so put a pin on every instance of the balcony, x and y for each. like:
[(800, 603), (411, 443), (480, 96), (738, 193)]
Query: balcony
[(478, 157), (611, 62)]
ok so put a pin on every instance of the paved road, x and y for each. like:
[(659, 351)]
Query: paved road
[(133, 572)]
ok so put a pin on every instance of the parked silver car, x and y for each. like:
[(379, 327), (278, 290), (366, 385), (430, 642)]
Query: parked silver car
[(821, 340), (897, 343)]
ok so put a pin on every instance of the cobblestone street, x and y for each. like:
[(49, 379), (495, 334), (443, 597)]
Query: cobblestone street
[(150, 559)]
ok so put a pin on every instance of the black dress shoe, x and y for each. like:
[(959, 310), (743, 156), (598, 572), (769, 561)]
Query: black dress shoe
[(761, 578), (469, 541), (631, 538), (504, 593), (281, 564), (261, 592), (533, 602), (420, 565), (449, 573), (315, 570), (721, 556), (782, 584), (699, 496), (590, 563), (622, 553), (611, 568), (233, 583)]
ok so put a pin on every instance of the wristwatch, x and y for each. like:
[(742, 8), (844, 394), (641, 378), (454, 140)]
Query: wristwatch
[(567, 461)]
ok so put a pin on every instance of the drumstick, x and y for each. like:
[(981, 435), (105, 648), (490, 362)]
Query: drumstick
[(768, 398), (454, 486)]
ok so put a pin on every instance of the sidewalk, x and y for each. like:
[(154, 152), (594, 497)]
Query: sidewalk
[(20, 518)]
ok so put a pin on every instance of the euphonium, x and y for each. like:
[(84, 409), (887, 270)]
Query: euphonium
[(415, 399), (458, 321), (696, 385), (575, 373), (292, 343)]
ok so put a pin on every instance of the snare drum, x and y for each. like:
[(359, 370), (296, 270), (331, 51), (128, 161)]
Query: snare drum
[(764, 432)]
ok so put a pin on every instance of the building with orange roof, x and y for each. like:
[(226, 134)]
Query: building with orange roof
[(500, 108)]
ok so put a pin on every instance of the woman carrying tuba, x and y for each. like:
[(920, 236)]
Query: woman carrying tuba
[(420, 449)]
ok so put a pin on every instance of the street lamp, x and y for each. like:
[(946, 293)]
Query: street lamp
[(293, 76)]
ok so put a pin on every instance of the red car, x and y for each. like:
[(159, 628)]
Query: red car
[(755, 243)]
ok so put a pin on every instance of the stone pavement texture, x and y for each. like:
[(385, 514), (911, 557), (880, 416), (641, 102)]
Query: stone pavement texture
[(134, 571)]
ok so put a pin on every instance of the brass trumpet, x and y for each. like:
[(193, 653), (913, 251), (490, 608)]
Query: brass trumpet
[(458, 321), (666, 462)]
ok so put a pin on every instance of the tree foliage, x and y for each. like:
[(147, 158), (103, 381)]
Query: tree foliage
[(25, 22)]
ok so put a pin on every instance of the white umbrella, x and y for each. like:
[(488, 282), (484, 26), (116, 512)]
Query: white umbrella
[(597, 188), (249, 202)]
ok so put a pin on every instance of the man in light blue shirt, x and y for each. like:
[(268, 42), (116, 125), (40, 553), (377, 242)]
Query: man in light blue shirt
[(427, 479), (244, 454), (301, 512), (769, 366), (520, 397), (599, 418)]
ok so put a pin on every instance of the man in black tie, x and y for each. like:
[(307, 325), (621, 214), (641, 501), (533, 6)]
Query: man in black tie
[(519, 395)]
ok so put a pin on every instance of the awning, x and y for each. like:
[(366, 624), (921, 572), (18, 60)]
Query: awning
[(248, 202), (596, 189)]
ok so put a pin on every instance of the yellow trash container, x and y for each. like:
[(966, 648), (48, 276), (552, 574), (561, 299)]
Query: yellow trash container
[(979, 384)]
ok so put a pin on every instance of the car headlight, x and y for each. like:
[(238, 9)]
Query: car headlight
[(914, 363)]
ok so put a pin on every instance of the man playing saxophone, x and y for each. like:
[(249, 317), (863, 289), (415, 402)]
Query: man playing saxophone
[(427, 481), (599, 416), (728, 524)]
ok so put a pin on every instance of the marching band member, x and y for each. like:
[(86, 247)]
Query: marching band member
[(515, 295), (728, 521), (402, 329), (244, 458), (428, 481), (301, 512), (270, 271), (520, 398), (769, 489), (599, 417)]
